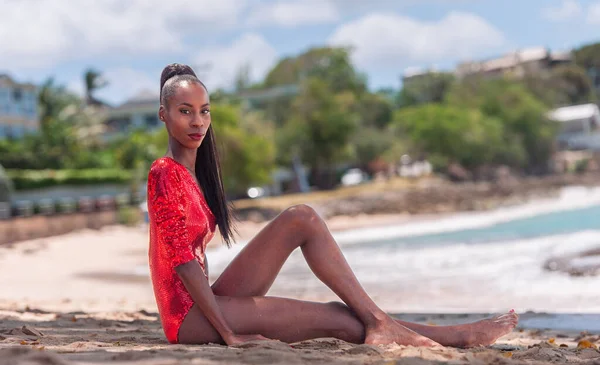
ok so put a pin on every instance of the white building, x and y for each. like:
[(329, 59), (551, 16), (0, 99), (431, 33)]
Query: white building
[(517, 63), (579, 127), (141, 111), (18, 108)]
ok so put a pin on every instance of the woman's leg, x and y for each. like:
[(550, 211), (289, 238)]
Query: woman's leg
[(283, 319), (253, 271), (291, 320)]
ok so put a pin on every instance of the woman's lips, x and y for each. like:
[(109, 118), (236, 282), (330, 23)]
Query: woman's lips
[(196, 136)]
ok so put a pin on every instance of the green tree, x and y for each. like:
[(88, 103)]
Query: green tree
[(370, 144), (375, 110), (139, 148), (427, 88), (451, 134), (320, 129), (331, 65), (521, 113), (564, 85), (588, 56)]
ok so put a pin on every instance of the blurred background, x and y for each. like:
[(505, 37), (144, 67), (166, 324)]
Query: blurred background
[(452, 146)]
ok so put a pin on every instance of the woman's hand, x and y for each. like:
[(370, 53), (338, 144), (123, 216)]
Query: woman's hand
[(239, 339)]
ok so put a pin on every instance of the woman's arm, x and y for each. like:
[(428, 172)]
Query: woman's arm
[(195, 282)]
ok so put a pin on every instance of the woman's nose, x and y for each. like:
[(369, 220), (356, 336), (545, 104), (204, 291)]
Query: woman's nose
[(197, 121)]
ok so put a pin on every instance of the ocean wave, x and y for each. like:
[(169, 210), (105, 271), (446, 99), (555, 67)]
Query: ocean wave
[(570, 198)]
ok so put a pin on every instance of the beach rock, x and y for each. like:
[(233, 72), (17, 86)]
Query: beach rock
[(458, 173), (31, 331)]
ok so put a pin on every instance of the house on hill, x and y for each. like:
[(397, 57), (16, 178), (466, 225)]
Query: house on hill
[(517, 63), (141, 111)]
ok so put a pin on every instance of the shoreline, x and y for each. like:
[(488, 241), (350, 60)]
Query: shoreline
[(425, 196)]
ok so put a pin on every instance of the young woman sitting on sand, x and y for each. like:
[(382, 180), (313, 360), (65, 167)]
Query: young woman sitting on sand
[(186, 202)]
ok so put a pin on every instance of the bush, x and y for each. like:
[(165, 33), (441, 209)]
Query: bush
[(36, 179), (6, 186), (129, 216)]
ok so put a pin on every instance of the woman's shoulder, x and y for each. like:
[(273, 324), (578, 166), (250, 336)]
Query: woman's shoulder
[(163, 168)]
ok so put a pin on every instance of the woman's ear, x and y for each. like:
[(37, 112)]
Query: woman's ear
[(161, 113)]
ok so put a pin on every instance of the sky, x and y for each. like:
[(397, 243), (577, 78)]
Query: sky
[(131, 41)]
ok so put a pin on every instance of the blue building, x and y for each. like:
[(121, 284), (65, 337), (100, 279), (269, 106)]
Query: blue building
[(18, 108)]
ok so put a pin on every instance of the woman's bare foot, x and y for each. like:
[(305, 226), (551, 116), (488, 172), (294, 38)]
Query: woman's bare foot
[(388, 332), (487, 331)]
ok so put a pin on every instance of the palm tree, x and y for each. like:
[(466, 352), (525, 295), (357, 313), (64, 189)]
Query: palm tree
[(93, 81)]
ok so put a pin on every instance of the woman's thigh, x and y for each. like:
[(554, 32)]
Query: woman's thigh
[(283, 319)]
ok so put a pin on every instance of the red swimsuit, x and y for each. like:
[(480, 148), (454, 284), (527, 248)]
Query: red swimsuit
[(181, 225)]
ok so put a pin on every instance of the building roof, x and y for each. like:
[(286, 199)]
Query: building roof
[(574, 112), (515, 58), (142, 97), (143, 101), (6, 80)]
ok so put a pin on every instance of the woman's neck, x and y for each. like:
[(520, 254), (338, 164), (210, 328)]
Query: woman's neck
[(184, 156)]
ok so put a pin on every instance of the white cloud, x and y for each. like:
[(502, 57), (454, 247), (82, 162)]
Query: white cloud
[(383, 41), (293, 13), (41, 33), (567, 10), (223, 63), (349, 6), (123, 83), (594, 14)]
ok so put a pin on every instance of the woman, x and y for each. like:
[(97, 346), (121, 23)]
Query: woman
[(186, 202)]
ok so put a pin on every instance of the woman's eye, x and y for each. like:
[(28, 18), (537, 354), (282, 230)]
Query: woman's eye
[(185, 111), (206, 111)]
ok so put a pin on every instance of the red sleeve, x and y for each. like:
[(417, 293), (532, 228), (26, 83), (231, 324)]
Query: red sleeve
[(169, 206)]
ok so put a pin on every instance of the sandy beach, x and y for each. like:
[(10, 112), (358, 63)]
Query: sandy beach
[(30, 336), (85, 298)]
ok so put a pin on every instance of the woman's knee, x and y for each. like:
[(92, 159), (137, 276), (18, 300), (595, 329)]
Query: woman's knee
[(300, 215)]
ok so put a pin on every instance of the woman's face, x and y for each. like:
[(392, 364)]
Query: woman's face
[(187, 114)]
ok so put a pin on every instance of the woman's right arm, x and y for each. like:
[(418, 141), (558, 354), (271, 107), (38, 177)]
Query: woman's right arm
[(195, 282)]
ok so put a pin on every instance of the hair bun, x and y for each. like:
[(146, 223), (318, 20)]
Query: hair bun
[(175, 69)]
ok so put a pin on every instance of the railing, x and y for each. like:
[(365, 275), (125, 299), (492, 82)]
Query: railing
[(67, 205)]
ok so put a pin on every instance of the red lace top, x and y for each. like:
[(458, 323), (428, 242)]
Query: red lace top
[(181, 225)]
